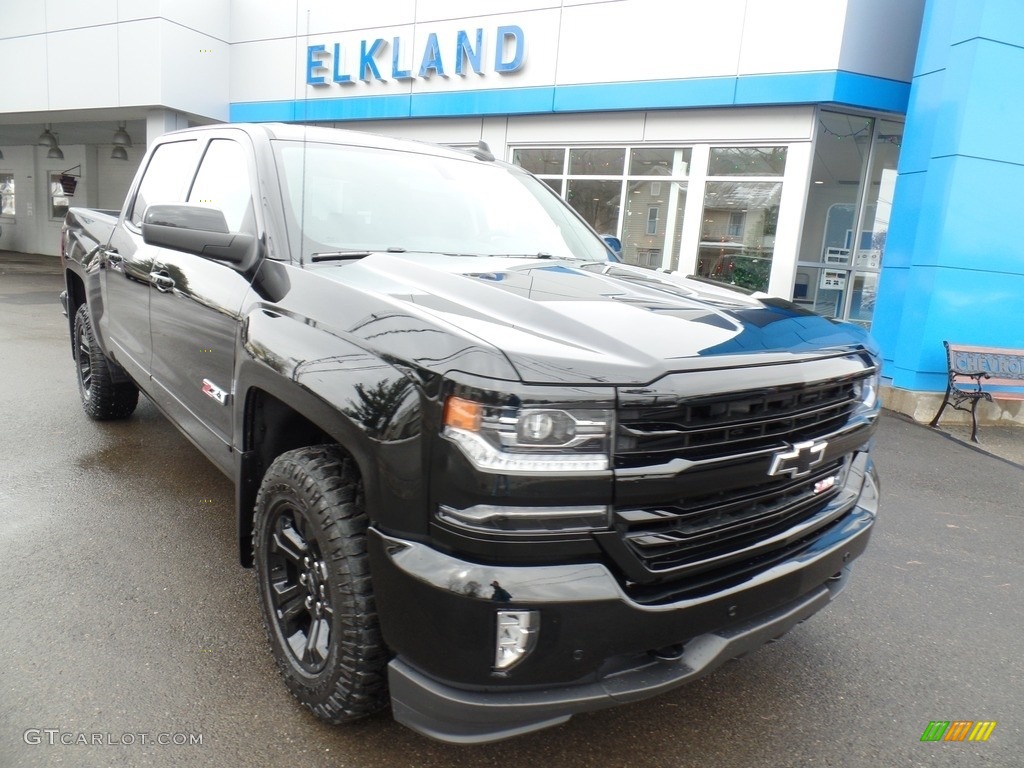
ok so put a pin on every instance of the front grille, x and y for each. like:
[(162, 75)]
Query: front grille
[(700, 530), (709, 427), (697, 506)]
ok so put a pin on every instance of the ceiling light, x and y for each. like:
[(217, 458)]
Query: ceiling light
[(47, 139), (55, 153), (121, 138), (119, 153)]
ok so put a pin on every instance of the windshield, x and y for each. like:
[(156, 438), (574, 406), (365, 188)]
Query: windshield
[(341, 198)]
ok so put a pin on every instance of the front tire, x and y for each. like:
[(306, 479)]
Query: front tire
[(313, 577), (102, 397)]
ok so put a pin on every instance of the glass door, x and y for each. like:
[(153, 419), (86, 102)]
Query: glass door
[(853, 176), (873, 225)]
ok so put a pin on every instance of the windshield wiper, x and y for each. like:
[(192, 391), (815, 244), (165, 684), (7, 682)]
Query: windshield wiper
[(353, 254)]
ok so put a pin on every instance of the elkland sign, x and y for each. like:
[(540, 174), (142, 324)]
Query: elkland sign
[(502, 51)]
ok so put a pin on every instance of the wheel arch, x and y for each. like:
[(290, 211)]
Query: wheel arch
[(277, 414), (76, 297)]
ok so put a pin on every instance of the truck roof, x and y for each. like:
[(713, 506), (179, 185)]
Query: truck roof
[(322, 134)]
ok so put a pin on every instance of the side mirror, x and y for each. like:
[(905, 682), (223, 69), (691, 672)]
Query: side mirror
[(198, 230), (614, 245)]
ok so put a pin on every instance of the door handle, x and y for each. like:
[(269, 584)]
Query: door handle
[(163, 281)]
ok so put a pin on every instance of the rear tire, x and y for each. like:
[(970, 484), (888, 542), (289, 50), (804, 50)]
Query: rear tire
[(102, 397), (313, 577)]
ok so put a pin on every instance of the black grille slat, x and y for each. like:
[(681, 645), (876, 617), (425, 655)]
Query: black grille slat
[(707, 428), (724, 577), (689, 532)]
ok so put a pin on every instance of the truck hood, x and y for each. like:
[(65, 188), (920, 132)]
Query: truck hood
[(562, 321)]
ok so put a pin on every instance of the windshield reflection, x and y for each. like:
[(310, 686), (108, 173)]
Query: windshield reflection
[(349, 199)]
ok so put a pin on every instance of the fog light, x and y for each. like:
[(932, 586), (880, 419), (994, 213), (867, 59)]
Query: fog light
[(517, 636)]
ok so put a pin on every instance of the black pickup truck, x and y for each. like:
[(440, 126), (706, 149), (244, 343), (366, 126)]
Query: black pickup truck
[(483, 470)]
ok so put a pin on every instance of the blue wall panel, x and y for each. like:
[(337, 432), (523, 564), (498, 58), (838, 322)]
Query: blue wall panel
[(515, 101), (936, 30), (954, 262), (946, 304), (892, 287), (704, 92), (926, 100), (832, 87), (999, 20), (982, 217), (989, 103)]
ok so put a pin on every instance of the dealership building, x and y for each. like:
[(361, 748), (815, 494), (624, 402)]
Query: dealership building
[(860, 157)]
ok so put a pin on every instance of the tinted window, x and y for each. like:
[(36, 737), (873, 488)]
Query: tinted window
[(166, 177)]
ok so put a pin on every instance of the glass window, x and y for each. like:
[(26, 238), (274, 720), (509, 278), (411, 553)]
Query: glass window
[(596, 201), (737, 240), (652, 220), (6, 194), (736, 221), (59, 201), (223, 183), (540, 161), (867, 253), (747, 161), (847, 219), (555, 184), (659, 161), (645, 230), (166, 177), (597, 162)]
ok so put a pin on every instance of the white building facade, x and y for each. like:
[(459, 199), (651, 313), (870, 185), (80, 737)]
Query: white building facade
[(739, 140)]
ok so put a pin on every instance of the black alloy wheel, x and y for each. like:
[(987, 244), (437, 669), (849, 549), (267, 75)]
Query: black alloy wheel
[(102, 397), (299, 587), (313, 576)]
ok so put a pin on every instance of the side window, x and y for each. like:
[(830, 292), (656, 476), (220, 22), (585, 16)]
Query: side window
[(166, 177), (223, 182)]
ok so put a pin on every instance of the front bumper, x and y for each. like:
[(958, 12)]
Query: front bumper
[(597, 647)]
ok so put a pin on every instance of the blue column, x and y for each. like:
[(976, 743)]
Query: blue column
[(954, 256)]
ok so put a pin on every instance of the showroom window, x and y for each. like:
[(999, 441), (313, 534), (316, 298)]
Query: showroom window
[(853, 178), (741, 207), (637, 194), (6, 194)]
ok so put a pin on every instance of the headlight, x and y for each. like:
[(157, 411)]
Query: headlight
[(527, 440), (866, 390)]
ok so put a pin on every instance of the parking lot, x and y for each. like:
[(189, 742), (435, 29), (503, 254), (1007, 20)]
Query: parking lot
[(130, 629)]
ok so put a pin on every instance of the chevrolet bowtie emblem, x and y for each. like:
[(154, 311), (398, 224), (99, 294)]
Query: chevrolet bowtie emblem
[(799, 460)]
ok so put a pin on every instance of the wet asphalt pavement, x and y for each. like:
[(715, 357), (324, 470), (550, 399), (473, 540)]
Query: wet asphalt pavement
[(127, 619)]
